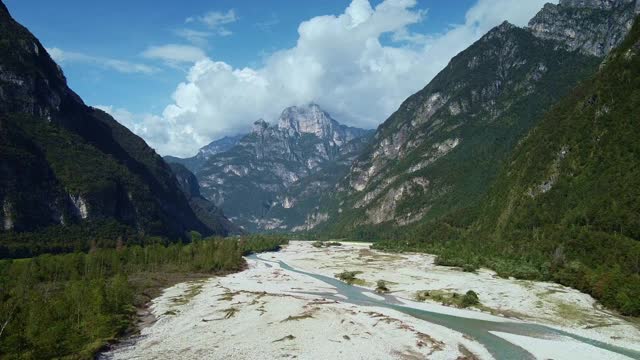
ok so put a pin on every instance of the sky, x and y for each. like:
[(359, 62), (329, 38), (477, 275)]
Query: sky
[(181, 74)]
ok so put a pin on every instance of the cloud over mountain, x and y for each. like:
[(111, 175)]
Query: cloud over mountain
[(359, 65)]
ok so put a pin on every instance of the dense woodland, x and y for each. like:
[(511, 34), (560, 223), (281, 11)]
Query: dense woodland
[(74, 304)]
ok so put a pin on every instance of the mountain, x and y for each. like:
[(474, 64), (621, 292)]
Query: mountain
[(565, 205), (194, 163), (251, 178), (205, 210), (573, 185), (442, 149), (69, 166)]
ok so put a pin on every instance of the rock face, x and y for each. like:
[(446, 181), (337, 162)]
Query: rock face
[(590, 26), (311, 119), (62, 162), (441, 150), (215, 147), (251, 179), (204, 209)]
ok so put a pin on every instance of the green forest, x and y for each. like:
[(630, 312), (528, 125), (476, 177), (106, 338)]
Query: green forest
[(72, 305)]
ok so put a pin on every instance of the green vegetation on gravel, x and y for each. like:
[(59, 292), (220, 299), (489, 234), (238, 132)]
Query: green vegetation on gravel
[(72, 305)]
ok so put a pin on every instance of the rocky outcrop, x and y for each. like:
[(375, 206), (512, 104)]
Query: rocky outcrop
[(80, 206), (314, 219), (6, 216), (311, 119), (591, 26)]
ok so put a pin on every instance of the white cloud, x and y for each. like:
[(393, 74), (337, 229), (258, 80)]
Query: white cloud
[(268, 24), (216, 20), (175, 53), (144, 125), (61, 56), (195, 37), (338, 62)]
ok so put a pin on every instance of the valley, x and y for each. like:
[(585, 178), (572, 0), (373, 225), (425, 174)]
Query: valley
[(368, 193), (288, 304)]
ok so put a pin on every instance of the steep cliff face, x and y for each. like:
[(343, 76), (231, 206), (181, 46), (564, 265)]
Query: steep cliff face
[(590, 26), (250, 179), (63, 162), (443, 147)]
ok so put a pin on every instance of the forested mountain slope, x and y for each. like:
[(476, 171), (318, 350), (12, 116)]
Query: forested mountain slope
[(566, 206), (67, 165), (441, 150)]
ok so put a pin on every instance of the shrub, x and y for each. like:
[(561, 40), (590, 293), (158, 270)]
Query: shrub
[(381, 287), (470, 299)]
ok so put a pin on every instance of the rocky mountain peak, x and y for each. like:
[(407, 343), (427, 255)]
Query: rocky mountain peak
[(505, 26), (306, 119), (259, 126), (499, 31), (593, 27), (31, 81)]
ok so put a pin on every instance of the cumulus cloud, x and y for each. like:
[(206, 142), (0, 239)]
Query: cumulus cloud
[(61, 56), (216, 20), (148, 126), (175, 53), (338, 61)]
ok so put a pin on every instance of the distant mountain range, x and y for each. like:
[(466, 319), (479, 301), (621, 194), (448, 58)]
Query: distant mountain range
[(438, 153), (249, 176)]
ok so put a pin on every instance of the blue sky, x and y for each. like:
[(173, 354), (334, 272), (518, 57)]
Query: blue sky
[(124, 29), (183, 73)]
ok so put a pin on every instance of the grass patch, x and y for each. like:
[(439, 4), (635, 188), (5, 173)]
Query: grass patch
[(373, 256), (192, 291), (570, 312), (470, 298), (350, 277), (306, 315), (228, 296), (230, 312)]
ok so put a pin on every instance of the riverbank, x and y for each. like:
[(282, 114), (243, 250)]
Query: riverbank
[(268, 312), (261, 313), (533, 301)]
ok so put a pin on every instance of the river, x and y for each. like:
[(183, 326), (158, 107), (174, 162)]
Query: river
[(289, 305)]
